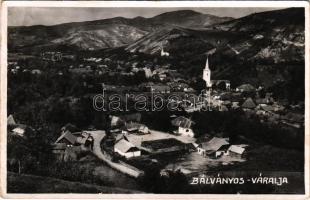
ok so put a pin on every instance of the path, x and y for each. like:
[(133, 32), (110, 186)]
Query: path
[(98, 136)]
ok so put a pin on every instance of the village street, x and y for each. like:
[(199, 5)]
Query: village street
[(98, 137)]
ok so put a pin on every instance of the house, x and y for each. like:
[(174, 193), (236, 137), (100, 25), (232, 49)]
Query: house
[(134, 117), (81, 140), (236, 149), (115, 121), (162, 76), (215, 147), (235, 105), (64, 152), (293, 119), (163, 89), (20, 130), (11, 120), (67, 137), (52, 56), (148, 72), (59, 150), (248, 104), (262, 101), (143, 129), (127, 149), (136, 127), (15, 128), (245, 88), (267, 109), (184, 126), (223, 108), (36, 71)]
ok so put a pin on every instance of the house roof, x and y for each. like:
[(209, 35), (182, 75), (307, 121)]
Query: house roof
[(102, 132), (249, 103), (69, 127), (182, 122), (68, 136), (262, 101), (19, 130), (235, 105), (224, 108), (246, 87), (160, 88), (294, 117), (115, 120), (59, 146), (131, 117), (125, 146), (267, 108), (236, 149), (214, 144), (11, 120)]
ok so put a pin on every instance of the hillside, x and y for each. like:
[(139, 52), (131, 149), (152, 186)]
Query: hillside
[(106, 33), (262, 49), (38, 184)]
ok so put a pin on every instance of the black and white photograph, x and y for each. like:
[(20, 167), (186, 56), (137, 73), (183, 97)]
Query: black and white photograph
[(156, 99)]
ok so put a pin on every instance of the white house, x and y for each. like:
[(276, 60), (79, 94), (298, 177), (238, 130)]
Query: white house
[(216, 147), (186, 131), (127, 149), (20, 131), (184, 126)]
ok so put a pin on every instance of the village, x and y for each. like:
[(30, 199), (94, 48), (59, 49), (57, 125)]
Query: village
[(127, 143)]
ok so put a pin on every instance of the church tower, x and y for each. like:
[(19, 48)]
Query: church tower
[(207, 75)]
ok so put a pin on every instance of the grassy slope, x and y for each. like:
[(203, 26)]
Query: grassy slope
[(38, 184)]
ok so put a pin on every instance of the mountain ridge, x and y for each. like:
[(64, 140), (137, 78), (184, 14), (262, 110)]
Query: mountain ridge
[(45, 34)]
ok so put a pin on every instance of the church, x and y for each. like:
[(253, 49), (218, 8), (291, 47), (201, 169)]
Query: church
[(214, 83)]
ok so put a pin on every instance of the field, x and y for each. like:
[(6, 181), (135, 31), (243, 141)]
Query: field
[(38, 184)]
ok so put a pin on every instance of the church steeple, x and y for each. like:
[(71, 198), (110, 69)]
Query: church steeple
[(207, 64), (207, 74)]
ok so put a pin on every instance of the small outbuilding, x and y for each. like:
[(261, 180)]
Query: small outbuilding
[(236, 149)]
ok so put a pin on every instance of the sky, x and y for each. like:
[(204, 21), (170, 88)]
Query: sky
[(27, 16)]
